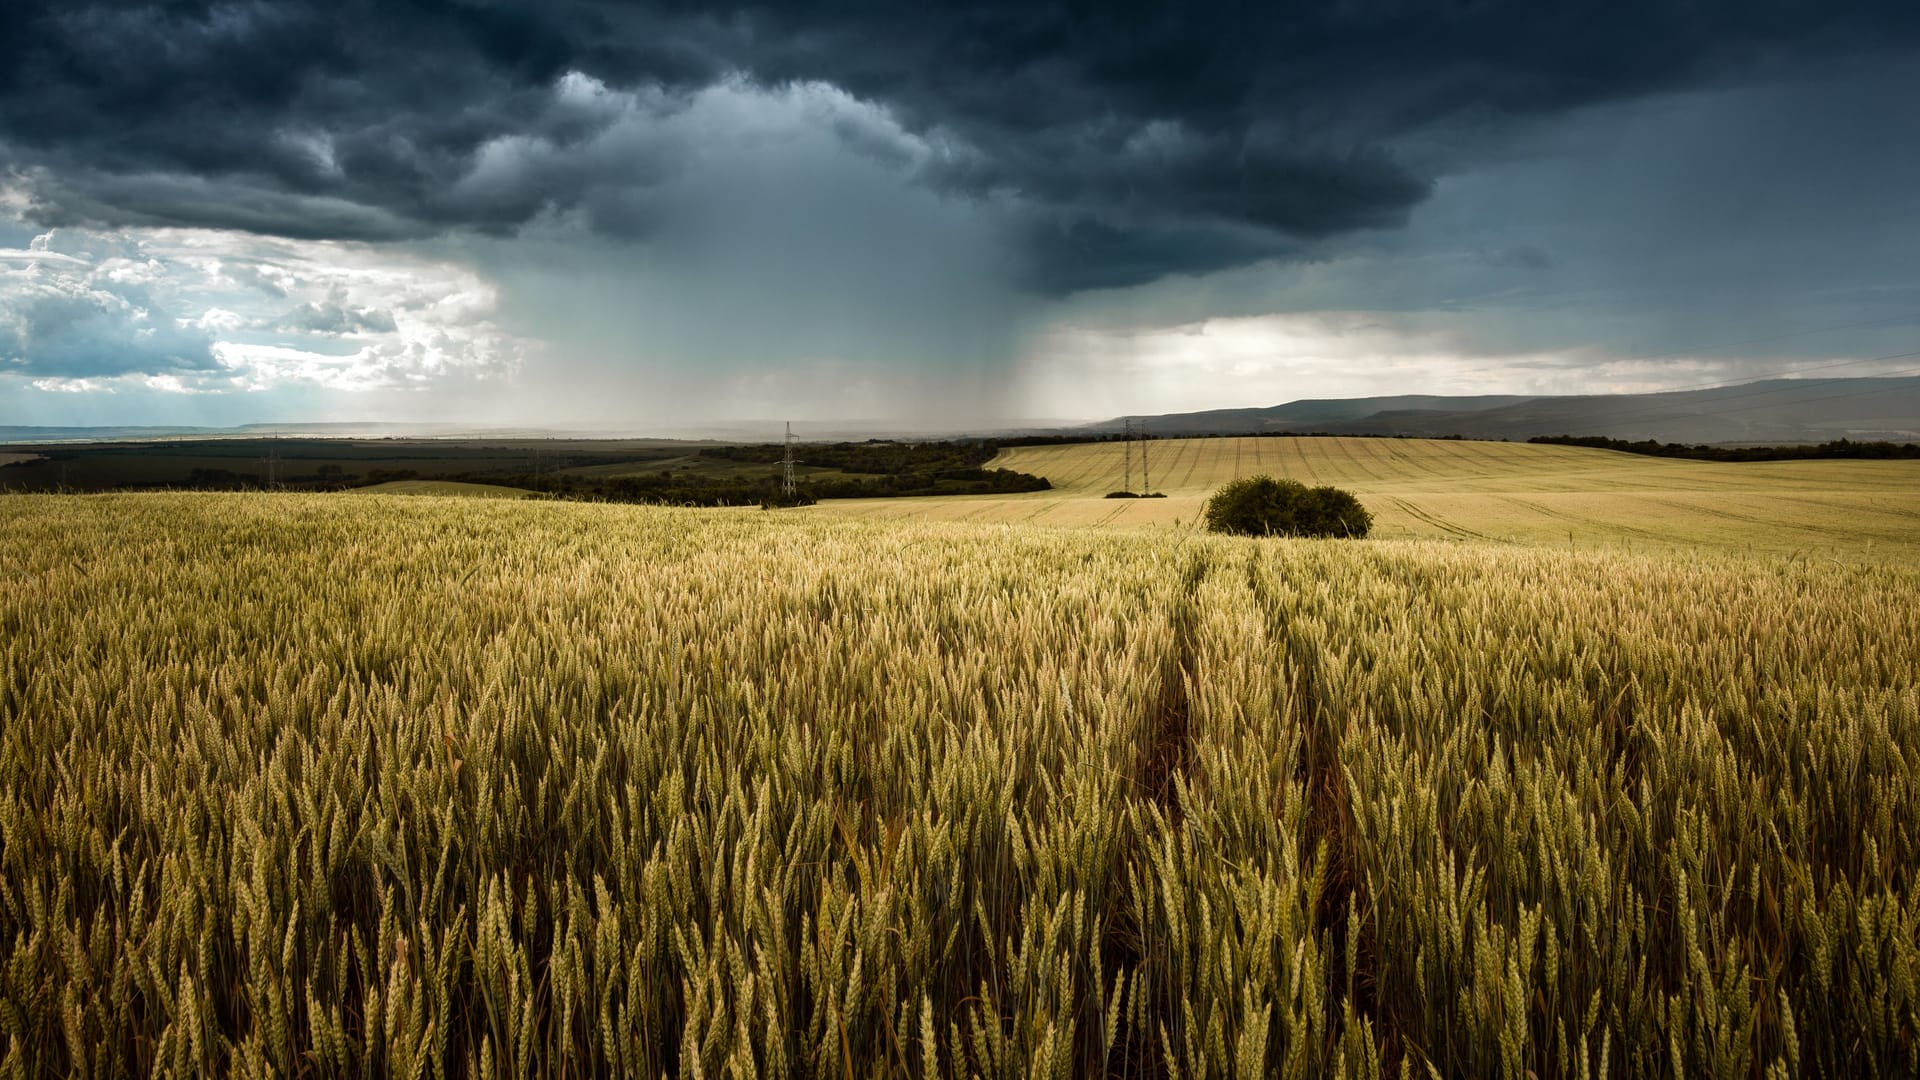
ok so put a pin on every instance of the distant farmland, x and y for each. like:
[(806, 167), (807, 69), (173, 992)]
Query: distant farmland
[(1459, 490)]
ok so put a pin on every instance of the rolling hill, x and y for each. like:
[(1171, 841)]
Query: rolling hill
[(1772, 411)]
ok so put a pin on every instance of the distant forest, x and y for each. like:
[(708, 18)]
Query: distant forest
[(879, 469), (682, 474), (1839, 448)]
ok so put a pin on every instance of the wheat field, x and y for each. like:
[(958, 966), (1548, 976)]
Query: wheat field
[(1516, 493), (315, 786)]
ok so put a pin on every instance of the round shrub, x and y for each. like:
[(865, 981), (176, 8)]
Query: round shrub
[(1263, 506)]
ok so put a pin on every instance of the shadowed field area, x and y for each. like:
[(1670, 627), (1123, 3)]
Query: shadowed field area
[(443, 487), (1512, 492)]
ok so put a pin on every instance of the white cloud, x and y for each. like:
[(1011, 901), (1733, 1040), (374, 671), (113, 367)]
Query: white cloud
[(205, 312), (32, 255), (74, 386), (219, 320), (171, 384), (68, 318)]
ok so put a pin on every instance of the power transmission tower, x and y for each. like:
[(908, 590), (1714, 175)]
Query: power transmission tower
[(1146, 482), (272, 461), (1128, 446), (787, 485)]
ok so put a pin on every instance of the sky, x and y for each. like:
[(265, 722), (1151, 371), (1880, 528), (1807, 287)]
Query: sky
[(609, 216)]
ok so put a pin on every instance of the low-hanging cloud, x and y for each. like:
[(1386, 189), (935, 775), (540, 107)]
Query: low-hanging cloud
[(1129, 142)]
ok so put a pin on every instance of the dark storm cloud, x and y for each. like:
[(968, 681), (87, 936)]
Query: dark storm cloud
[(1138, 140), (308, 120), (1078, 254)]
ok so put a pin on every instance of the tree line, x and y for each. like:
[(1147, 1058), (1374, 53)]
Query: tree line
[(1837, 449)]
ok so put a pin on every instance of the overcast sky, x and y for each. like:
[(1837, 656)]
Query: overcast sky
[(647, 217)]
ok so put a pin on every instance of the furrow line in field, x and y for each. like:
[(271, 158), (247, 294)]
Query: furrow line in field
[(1827, 507), (1571, 518), (1819, 528), (1360, 470), (1168, 752), (1331, 822), (1192, 459), (1439, 522)]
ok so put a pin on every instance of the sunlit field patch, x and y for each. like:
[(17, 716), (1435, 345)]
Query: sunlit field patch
[(1516, 493)]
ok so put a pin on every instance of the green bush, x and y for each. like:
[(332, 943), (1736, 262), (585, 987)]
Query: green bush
[(1263, 506)]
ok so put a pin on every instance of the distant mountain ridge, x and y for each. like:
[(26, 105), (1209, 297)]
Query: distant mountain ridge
[(1768, 411), (35, 433)]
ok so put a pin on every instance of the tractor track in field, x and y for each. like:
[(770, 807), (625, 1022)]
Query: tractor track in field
[(1167, 750), (1827, 507), (1460, 532), (1164, 760), (1752, 519), (1400, 458), (1364, 472), (1330, 815), (1569, 518)]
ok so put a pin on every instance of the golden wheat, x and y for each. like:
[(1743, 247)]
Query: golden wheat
[(315, 786)]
